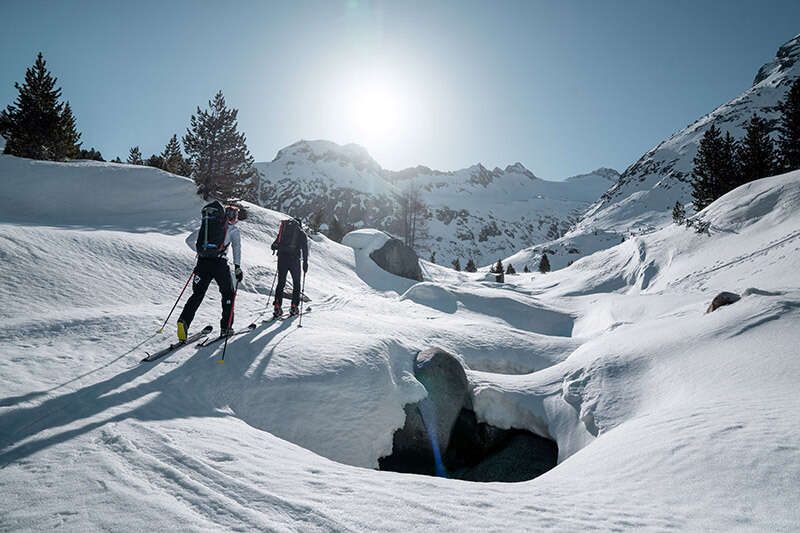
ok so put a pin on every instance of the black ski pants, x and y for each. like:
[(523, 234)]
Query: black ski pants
[(288, 264), (209, 269)]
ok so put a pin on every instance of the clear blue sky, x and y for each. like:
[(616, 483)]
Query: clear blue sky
[(562, 86)]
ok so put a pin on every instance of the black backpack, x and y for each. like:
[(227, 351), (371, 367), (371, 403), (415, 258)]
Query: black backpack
[(289, 236), (213, 229)]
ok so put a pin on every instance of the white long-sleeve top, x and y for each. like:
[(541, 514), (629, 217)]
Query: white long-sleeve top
[(233, 239)]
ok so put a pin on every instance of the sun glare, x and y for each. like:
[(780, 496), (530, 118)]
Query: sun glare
[(376, 111)]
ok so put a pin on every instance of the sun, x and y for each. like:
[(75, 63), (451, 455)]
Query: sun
[(377, 111)]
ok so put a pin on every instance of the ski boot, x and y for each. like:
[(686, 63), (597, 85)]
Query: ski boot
[(226, 332), (294, 311), (183, 330), (277, 311)]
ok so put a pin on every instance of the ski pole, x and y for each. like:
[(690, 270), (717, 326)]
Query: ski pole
[(303, 292), (161, 329), (230, 322), (272, 287)]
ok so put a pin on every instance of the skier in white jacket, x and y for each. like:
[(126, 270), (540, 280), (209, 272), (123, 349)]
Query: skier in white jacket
[(212, 264)]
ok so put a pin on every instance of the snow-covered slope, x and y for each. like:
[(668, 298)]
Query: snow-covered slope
[(643, 197), (665, 417), (650, 187), (474, 212)]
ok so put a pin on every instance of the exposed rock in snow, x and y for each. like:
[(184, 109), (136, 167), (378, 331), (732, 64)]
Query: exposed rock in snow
[(430, 422), (723, 298), (397, 258)]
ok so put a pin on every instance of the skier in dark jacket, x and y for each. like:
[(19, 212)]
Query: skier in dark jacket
[(212, 265), (291, 243)]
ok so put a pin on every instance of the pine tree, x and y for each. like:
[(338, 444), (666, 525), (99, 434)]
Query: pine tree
[(433, 257), (705, 173), (498, 267), (544, 264), (471, 267), (526, 269), (135, 156), (510, 269), (456, 264), (678, 213), (789, 128), (69, 144), (116, 160), (91, 154), (756, 152), (728, 170), (221, 163), (155, 161), (37, 125), (173, 160)]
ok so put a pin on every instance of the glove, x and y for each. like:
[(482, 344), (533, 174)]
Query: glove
[(305, 267), (239, 273), (274, 246)]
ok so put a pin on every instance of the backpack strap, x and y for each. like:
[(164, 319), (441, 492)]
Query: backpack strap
[(280, 232)]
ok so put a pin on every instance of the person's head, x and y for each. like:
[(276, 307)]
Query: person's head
[(232, 214)]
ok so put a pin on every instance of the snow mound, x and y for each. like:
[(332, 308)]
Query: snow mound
[(365, 240), (432, 295), (96, 194)]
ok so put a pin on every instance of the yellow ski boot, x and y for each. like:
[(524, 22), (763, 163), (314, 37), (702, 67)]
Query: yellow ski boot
[(182, 333)]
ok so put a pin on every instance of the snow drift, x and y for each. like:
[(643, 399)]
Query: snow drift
[(664, 416)]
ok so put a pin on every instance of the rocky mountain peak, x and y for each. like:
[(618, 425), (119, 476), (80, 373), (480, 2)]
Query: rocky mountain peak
[(787, 56)]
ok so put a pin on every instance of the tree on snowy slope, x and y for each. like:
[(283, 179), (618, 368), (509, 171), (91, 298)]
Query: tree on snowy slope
[(172, 159), (221, 162), (456, 264), (756, 152), (91, 154), (678, 213), (789, 128), (510, 269), (154, 161), (412, 213), (471, 267), (544, 264), (715, 168), (135, 156), (37, 125)]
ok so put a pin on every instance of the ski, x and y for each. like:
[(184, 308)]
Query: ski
[(284, 316), (209, 342), (175, 345)]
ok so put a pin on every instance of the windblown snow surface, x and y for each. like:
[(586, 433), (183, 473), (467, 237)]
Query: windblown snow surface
[(665, 417)]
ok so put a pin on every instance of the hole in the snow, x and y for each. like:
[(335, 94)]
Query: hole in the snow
[(442, 436), (476, 452)]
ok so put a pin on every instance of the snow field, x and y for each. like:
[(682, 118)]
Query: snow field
[(665, 417)]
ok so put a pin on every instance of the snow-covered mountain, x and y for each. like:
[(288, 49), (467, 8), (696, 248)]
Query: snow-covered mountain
[(664, 417), (643, 197), (474, 212)]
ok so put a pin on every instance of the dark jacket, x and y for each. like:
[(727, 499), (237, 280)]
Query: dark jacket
[(294, 245)]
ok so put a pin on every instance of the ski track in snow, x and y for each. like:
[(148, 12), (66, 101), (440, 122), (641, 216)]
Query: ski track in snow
[(666, 418)]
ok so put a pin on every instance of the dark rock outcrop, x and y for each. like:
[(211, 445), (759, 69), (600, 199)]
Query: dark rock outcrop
[(468, 449), (399, 259), (446, 382), (723, 298)]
